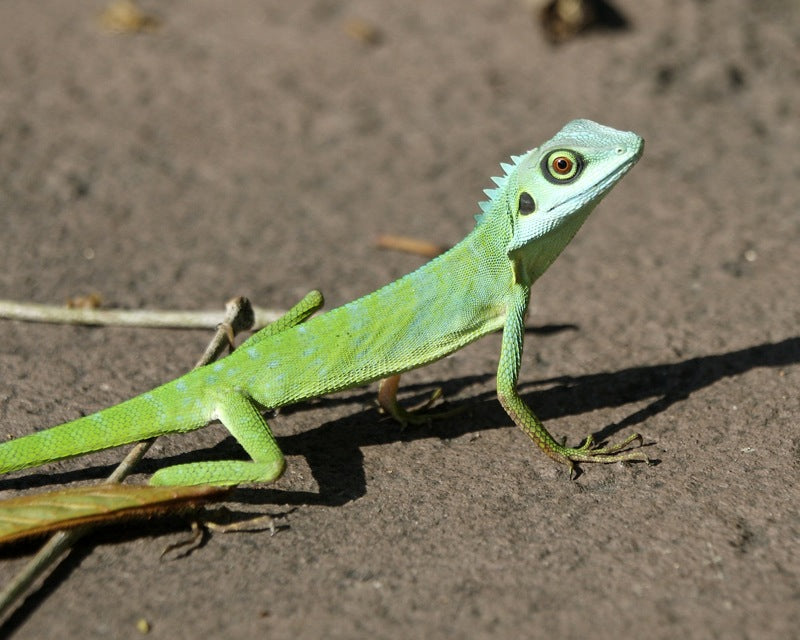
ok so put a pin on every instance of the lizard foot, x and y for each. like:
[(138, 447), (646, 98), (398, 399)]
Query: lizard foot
[(589, 451)]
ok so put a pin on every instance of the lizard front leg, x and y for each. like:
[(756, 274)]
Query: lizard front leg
[(300, 312), (520, 413)]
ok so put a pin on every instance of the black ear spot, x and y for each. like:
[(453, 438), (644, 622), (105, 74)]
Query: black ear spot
[(526, 203)]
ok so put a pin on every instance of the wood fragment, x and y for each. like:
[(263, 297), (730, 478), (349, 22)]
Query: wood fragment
[(363, 31), (90, 301), (407, 244), (125, 16), (563, 20)]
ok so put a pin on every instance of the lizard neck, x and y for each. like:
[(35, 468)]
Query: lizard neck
[(448, 302)]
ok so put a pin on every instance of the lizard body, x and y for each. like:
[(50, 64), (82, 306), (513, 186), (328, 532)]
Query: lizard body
[(480, 285)]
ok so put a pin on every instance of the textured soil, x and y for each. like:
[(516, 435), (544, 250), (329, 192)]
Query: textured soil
[(259, 148)]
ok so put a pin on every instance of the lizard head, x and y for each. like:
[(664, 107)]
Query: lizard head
[(548, 192)]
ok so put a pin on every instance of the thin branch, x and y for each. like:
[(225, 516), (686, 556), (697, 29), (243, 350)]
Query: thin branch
[(32, 312), (238, 317)]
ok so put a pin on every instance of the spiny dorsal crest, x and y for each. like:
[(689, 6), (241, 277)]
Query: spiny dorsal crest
[(500, 181)]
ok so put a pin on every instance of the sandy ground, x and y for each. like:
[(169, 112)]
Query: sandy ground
[(258, 148)]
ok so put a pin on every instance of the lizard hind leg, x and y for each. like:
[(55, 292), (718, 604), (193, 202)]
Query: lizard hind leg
[(387, 399), (238, 413), (245, 423)]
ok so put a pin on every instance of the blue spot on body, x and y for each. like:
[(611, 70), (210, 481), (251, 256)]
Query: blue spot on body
[(180, 385), (252, 352), (359, 323), (219, 366), (320, 366)]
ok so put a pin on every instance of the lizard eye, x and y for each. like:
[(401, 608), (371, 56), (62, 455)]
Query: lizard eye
[(562, 166), (526, 203)]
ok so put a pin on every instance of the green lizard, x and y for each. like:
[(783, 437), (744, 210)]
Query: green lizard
[(480, 285)]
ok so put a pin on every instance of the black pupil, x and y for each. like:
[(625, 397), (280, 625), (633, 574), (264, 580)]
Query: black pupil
[(562, 165), (526, 203)]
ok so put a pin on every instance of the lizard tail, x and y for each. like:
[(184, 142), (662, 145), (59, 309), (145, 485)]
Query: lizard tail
[(177, 406)]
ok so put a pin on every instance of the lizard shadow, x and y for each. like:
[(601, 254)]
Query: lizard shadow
[(333, 450)]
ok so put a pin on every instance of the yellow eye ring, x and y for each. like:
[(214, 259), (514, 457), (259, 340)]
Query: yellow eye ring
[(562, 166)]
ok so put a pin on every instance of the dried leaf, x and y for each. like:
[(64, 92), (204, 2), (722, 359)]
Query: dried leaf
[(36, 514)]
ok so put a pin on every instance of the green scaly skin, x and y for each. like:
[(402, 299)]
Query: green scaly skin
[(480, 285)]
